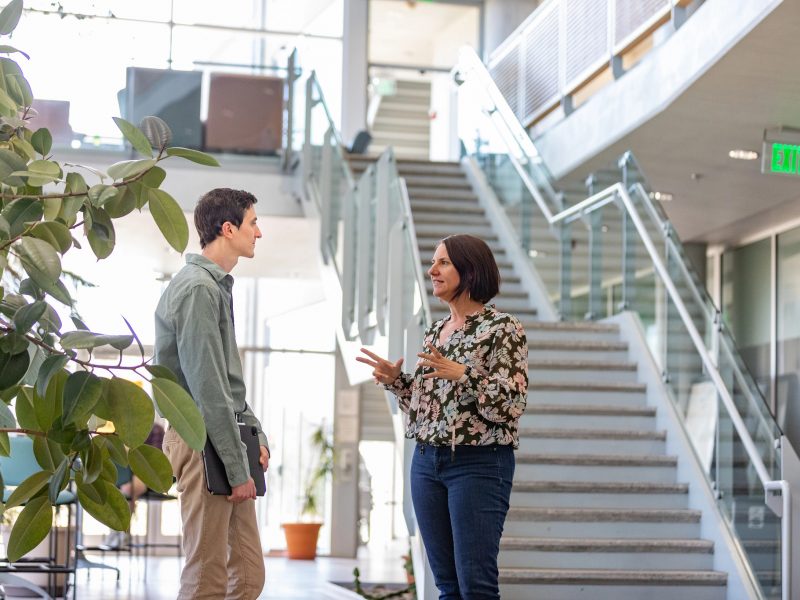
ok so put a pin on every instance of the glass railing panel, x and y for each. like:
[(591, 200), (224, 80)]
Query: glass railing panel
[(740, 491)]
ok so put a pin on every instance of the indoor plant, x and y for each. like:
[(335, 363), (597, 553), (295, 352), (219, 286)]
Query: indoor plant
[(301, 536), (61, 396)]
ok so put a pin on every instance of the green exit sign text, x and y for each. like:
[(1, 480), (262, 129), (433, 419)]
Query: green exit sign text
[(785, 158)]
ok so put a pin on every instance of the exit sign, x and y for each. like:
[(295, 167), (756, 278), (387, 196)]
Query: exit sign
[(781, 158)]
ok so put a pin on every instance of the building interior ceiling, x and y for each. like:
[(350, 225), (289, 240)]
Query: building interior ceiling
[(684, 150)]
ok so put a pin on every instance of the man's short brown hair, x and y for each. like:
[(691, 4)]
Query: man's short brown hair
[(476, 266), (217, 207)]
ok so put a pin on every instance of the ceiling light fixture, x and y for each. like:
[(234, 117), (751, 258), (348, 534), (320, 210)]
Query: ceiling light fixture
[(661, 196), (740, 154)]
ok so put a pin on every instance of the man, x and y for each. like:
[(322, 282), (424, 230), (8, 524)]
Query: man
[(195, 338)]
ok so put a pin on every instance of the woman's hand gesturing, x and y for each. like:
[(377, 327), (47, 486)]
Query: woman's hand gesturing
[(443, 368), (383, 371)]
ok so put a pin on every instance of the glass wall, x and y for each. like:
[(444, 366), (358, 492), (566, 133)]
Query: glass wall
[(787, 386), (747, 306), (80, 49)]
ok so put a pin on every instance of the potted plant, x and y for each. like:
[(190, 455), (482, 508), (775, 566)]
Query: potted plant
[(301, 536), (59, 392)]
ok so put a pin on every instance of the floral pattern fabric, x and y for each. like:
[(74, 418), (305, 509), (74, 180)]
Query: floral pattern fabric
[(484, 406)]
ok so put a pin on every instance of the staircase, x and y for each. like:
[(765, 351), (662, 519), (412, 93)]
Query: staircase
[(402, 121), (596, 510)]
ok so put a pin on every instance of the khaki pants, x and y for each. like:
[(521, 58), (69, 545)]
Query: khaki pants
[(220, 539)]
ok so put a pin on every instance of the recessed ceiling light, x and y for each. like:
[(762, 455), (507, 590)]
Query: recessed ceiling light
[(740, 154), (661, 196)]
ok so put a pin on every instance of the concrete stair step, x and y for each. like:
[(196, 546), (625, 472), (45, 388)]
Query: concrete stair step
[(569, 395), (597, 584), (601, 441), (582, 523), (596, 467), (404, 142), (428, 181), (436, 207), (555, 553), (577, 349), (582, 371), (590, 494), (451, 219), (587, 416), (386, 124), (427, 231), (441, 193)]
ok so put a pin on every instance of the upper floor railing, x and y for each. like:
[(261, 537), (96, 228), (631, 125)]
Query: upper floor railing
[(615, 250), (566, 44)]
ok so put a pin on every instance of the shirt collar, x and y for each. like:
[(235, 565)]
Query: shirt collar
[(217, 272)]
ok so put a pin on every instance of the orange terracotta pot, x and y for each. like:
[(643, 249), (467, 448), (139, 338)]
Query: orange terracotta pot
[(301, 539)]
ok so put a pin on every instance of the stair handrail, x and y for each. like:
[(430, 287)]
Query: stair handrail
[(619, 192)]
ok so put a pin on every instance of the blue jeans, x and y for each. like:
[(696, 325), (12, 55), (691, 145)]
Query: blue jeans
[(461, 503)]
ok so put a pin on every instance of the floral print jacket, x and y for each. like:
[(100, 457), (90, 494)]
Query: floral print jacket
[(484, 406)]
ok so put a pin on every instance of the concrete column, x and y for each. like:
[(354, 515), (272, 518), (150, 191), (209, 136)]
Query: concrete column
[(344, 496), (354, 68)]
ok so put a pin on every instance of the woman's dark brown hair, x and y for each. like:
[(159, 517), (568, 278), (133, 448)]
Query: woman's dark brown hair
[(476, 266)]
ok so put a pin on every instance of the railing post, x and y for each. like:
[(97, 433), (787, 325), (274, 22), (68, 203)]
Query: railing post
[(594, 222), (382, 192), (349, 265), (324, 181), (628, 247), (308, 150), (365, 257), (565, 233), (291, 77)]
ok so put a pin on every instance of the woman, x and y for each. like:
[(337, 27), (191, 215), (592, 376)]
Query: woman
[(463, 402)]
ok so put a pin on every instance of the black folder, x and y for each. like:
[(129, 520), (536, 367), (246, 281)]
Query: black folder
[(217, 478)]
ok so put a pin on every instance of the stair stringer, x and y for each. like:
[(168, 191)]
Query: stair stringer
[(728, 556), (529, 278)]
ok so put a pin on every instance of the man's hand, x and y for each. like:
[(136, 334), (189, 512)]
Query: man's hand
[(264, 458), (245, 491)]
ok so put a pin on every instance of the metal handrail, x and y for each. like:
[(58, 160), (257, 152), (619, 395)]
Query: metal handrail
[(602, 198)]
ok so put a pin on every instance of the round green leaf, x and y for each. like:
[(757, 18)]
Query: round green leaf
[(7, 419), (154, 177), (12, 368), (131, 411), (93, 460), (130, 168), (42, 141), (49, 407), (54, 233), (28, 489), (81, 393), (116, 450), (100, 233), (114, 512), (92, 490), (122, 204), (11, 162), (30, 528), (21, 213), (86, 340), (58, 481), (40, 261), (161, 371), (51, 365), (134, 135), (170, 219), (48, 453), (26, 316), (157, 131), (41, 172), (4, 49), (14, 343), (9, 17), (177, 406), (26, 413), (152, 467), (195, 156)]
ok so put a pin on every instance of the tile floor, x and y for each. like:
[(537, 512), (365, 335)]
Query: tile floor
[(286, 579)]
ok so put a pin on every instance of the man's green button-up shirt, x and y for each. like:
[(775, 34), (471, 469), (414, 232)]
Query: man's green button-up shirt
[(195, 338)]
